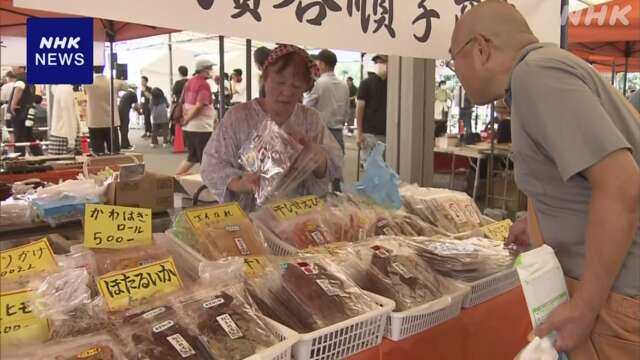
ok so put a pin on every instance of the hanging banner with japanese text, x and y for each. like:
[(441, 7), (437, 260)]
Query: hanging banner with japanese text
[(416, 28), (116, 227)]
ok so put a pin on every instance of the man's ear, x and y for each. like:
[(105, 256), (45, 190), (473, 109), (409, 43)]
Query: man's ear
[(484, 49)]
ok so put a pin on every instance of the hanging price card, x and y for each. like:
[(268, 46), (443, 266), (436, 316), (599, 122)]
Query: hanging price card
[(116, 227)]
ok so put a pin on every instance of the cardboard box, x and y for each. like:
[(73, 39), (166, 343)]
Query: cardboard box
[(514, 200), (153, 191)]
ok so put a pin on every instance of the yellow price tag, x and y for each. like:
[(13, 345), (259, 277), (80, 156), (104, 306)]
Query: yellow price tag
[(25, 260), (254, 265), (285, 210), (498, 231), (123, 289), (221, 214), (18, 323), (116, 227)]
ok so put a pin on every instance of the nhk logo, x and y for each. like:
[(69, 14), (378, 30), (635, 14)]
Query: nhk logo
[(60, 50), (55, 58)]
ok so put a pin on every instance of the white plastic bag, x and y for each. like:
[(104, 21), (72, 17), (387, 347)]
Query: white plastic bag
[(544, 289)]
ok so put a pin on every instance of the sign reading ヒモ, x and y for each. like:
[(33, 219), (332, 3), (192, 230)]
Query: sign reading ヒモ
[(60, 50)]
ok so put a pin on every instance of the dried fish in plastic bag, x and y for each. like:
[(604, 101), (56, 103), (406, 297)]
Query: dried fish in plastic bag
[(270, 153)]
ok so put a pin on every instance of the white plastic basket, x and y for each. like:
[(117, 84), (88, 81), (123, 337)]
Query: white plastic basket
[(346, 338), (410, 322), (189, 259), (277, 246), (281, 350), (494, 285)]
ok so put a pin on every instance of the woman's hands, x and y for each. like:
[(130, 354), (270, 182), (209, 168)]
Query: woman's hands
[(320, 171), (247, 183)]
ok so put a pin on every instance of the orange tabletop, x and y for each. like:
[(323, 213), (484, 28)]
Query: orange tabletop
[(496, 330)]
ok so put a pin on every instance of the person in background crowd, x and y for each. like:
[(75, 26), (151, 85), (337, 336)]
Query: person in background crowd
[(441, 108), (9, 83), (238, 88), (227, 92), (330, 96), (145, 95), (199, 115), (128, 100), (260, 56), (287, 75), (22, 100), (353, 94), (576, 145), (65, 122), (41, 112), (176, 93), (159, 117), (504, 122), (635, 100), (371, 108), (99, 112)]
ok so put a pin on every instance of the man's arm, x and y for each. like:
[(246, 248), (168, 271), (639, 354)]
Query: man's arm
[(613, 216), (195, 111)]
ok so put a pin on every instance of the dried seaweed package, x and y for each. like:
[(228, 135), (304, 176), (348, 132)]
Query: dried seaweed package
[(65, 299), (270, 153), (395, 271), (162, 334), (97, 346), (229, 324), (217, 241), (316, 289)]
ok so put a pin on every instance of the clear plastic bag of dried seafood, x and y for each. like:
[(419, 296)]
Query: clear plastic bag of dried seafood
[(467, 260), (390, 267), (451, 211)]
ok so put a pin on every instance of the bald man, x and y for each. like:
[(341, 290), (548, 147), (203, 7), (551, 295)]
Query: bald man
[(576, 142)]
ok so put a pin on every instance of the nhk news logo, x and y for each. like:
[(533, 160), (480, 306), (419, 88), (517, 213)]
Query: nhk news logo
[(60, 50)]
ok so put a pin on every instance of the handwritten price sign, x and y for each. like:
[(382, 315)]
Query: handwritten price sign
[(124, 288), (116, 227), (300, 206), (18, 323), (230, 213), (26, 260)]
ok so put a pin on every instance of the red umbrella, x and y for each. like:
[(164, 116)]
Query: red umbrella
[(13, 22), (608, 34)]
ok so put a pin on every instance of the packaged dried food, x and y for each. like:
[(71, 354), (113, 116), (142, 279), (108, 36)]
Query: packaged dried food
[(467, 260), (451, 211), (161, 334), (230, 325), (391, 268), (98, 346), (108, 260), (301, 231), (270, 153), (65, 299), (217, 241), (348, 223), (314, 292), (402, 224)]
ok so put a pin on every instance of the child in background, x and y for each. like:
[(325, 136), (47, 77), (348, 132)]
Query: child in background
[(159, 117)]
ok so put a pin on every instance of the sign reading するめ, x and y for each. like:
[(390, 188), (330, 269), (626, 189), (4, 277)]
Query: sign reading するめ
[(60, 50)]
